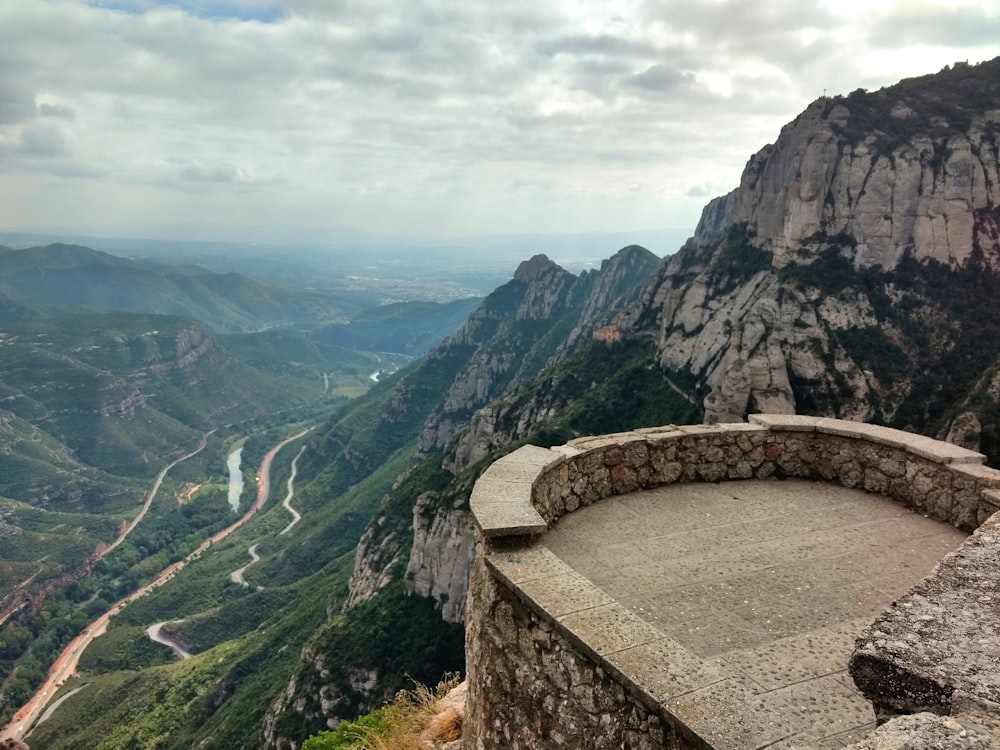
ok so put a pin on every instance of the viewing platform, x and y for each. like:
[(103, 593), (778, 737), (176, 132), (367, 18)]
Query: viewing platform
[(709, 587)]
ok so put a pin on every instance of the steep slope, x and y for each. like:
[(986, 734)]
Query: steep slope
[(855, 270)]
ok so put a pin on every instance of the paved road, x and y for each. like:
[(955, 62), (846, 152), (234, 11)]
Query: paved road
[(153, 631), (237, 575)]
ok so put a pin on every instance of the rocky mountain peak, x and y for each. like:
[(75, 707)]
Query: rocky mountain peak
[(533, 268), (912, 168), (846, 273)]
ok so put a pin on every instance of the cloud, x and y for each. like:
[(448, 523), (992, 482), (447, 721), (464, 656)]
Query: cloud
[(17, 103), (44, 139), (61, 111), (699, 191), (434, 115), (660, 78), (224, 173)]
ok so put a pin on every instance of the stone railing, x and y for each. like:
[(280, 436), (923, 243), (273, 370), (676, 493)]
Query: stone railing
[(554, 662)]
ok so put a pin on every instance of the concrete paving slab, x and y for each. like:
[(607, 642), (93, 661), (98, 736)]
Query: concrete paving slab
[(824, 704), (640, 579), (749, 723), (564, 594), (764, 583), (797, 658), (665, 669)]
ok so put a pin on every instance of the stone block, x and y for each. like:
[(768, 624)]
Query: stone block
[(872, 433), (984, 476), (941, 637), (526, 563), (604, 630), (504, 519), (664, 669), (562, 594), (727, 716), (785, 422), (523, 465)]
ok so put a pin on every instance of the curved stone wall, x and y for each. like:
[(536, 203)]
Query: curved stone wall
[(553, 662)]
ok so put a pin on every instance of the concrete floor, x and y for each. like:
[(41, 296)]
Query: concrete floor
[(769, 581)]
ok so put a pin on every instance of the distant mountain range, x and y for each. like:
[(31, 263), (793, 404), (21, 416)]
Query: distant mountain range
[(58, 278)]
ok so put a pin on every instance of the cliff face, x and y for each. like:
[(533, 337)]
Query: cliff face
[(909, 169), (846, 266), (538, 316)]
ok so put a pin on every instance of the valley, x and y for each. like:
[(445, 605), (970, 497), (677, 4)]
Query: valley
[(65, 665), (799, 293), (129, 437)]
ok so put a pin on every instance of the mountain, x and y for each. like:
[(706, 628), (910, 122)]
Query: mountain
[(41, 281), (537, 327), (853, 273)]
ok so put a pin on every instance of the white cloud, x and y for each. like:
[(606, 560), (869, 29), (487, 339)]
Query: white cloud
[(431, 116)]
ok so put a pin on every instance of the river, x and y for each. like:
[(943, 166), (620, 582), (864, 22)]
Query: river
[(235, 478)]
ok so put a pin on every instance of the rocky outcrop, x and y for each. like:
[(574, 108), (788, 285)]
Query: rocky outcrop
[(191, 344), (537, 317), (376, 562), (441, 555), (912, 168), (829, 281)]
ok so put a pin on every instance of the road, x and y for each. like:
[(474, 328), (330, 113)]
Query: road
[(152, 494), (237, 575), (153, 631), (65, 665), (287, 502)]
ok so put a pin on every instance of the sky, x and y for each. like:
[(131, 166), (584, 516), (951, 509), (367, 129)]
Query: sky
[(424, 117)]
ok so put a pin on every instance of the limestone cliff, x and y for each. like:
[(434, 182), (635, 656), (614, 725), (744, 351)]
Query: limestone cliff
[(846, 269), (441, 555), (615, 285), (912, 168)]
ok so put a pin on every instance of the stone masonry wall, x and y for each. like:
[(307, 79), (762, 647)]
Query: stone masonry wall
[(540, 679), (537, 689)]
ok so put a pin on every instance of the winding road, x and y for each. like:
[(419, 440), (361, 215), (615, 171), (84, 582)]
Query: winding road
[(152, 493), (153, 631), (65, 664), (237, 575), (287, 502)]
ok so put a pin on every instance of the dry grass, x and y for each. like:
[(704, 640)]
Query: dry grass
[(413, 718)]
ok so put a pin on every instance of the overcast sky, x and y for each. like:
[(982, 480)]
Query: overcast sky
[(426, 117)]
